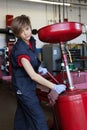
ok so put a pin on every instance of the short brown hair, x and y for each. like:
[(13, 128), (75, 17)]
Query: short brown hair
[(18, 23)]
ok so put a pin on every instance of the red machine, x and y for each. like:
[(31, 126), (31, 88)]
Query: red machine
[(71, 106)]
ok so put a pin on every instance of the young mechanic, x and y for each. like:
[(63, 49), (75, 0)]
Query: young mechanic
[(25, 67)]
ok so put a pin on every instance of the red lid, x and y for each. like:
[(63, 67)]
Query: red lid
[(71, 95)]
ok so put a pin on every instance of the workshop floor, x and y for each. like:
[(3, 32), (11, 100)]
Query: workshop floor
[(8, 107)]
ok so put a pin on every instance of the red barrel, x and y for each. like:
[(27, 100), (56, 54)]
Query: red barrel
[(71, 110)]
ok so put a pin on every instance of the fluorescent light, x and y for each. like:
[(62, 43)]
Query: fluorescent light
[(49, 2)]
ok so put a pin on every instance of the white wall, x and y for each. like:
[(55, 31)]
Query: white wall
[(40, 14)]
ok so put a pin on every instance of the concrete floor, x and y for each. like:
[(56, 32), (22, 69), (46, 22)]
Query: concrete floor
[(8, 107)]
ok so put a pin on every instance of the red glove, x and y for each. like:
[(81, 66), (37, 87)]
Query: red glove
[(53, 96)]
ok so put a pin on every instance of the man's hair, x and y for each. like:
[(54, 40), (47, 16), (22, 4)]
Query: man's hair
[(18, 23)]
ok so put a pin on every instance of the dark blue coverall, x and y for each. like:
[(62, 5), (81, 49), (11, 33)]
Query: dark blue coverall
[(29, 113)]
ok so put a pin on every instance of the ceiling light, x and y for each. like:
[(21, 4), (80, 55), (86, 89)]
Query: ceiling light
[(49, 2)]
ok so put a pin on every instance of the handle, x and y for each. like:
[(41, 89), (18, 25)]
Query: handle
[(52, 77)]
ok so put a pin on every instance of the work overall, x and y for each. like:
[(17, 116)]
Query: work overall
[(29, 114)]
